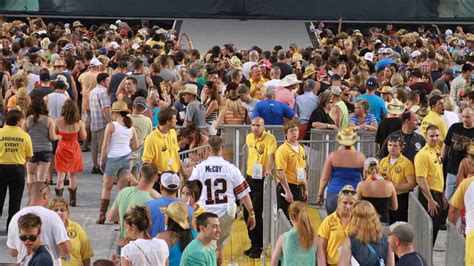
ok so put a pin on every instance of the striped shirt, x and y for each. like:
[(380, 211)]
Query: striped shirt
[(98, 99), (231, 118), (369, 120)]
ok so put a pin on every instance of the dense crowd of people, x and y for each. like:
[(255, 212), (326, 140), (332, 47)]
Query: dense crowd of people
[(134, 96)]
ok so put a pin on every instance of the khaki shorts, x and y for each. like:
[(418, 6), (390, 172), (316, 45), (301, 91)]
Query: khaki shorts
[(86, 118), (226, 224)]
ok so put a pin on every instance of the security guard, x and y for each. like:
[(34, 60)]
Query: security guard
[(290, 160), (260, 162)]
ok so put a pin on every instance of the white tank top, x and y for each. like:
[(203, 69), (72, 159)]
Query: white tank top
[(120, 141)]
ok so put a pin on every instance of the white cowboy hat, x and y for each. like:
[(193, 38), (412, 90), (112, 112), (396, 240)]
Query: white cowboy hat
[(289, 80)]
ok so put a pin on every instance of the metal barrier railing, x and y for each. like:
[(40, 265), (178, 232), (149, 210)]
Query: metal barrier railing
[(423, 226), (268, 190), (455, 246), (192, 157), (283, 225)]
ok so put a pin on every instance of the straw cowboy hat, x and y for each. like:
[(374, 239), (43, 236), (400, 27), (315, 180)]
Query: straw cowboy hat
[(235, 62), (77, 23), (309, 70), (120, 106), (289, 80), (178, 212), (346, 137), (63, 80), (396, 107), (189, 89), (386, 90)]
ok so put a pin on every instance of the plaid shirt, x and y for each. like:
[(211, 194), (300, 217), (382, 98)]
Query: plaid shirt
[(425, 67), (98, 99)]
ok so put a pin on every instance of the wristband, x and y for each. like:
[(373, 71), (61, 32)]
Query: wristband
[(252, 214)]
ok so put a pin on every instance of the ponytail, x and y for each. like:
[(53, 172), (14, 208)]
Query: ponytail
[(298, 212), (126, 119)]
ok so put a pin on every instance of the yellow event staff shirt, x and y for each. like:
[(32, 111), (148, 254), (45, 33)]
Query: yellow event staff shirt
[(397, 173), (259, 150), (470, 248), (15, 145), (162, 150), (288, 160), (434, 118), (428, 165), (81, 246), (335, 232), (257, 94)]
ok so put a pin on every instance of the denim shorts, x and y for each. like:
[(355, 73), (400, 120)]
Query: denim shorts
[(41, 156), (117, 165)]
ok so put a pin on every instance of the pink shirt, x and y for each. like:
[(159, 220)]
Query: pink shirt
[(285, 96)]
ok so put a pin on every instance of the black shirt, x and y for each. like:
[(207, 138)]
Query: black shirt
[(285, 69), (457, 138), (412, 143), (41, 92), (387, 126), (411, 259), (115, 81), (318, 115)]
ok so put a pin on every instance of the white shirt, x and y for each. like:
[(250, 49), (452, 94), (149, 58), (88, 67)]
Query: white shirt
[(274, 82), (224, 181), (450, 118), (32, 79), (53, 232), (144, 252)]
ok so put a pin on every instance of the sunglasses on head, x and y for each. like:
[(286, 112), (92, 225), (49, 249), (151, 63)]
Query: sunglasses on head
[(395, 138), (32, 238), (348, 191)]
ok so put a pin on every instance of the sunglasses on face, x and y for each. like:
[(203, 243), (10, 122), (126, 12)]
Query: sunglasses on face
[(32, 238), (348, 192)]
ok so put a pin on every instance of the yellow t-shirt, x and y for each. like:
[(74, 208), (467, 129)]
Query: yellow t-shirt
[(428, 165), (81, 246), (397, 173), (335, 232), (289, 160), (434, 118), (162, 150), (257, 94), (198, 211), (259, 150), (470, 248), (15, 145), (462, 200)]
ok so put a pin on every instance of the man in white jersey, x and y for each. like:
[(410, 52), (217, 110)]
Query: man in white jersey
[(222, 184)]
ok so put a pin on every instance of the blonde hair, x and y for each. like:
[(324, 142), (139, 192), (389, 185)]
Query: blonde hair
[(58, 201), (298, 212), (365, 223), (449, 103), (235, 106), (363, 104), (397, 80), (369, 170)]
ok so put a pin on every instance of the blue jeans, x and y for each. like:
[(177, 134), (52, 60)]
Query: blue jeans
[(450, 186), (331, 203)]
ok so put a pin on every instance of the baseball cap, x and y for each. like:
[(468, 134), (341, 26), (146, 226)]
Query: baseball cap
[(321, 73), (69, 46), (139, 101), (370, 161), (113, 45), (402, 230), (336, 90), (369, 56), (372, 84), (95, 62), (415, 54), (103, 51), (382, 51), (170, 180), (34, 49), (122, 64)]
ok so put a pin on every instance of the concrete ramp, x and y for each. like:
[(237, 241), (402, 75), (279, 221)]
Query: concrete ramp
[(206, 33)]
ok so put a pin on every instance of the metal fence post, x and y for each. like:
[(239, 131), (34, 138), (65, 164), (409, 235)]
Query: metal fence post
[(455, 246), (423, 226), (267, 215)]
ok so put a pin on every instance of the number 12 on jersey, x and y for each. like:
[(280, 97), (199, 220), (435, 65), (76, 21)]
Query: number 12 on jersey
[(216, 191)]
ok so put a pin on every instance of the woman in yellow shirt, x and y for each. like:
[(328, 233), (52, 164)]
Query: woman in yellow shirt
[(335, 228), (81, 253)]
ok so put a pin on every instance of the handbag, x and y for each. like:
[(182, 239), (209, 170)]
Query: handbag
[(372, 250)]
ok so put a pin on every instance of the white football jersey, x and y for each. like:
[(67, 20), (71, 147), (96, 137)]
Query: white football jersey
[(222, 183)]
